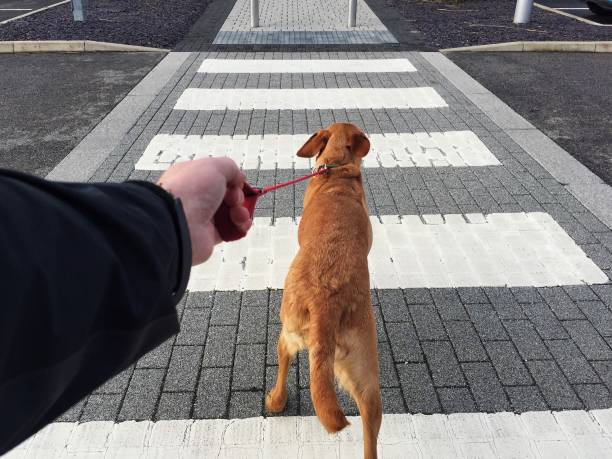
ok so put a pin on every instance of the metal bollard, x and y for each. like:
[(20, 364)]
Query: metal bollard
[(78, 10), (254, 13), (352, 20), (522, 13)]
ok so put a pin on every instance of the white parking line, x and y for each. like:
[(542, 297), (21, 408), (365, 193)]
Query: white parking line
[(575, 434), (34, 12), (300, 99), (305, 65), (436, 149), (433, 251)]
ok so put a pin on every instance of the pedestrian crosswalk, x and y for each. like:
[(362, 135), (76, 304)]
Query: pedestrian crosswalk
[(422, 149), (409, 251), (432, 251), (311, 98), (251, 66)]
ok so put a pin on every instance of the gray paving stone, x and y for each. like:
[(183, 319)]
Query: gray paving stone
[(249, 367), (456, 400), (604, 292), (556, 390), (252, 327), (526, 398), (443, 364), (526, 339), (572, 362), (427, 322), (404, 342), (184, 369), (117, 384), (418, 296), (255, 298), (504, 303), (466, 341), (486, 322), (580, 293), (392, 400), (141, 397), (417, 386), (199, 300), (560, 303), (381, 334), (101, 407), (545, 322), (174, 405), (246, 404), (592, 345), (487, 390), (158, 357), (508, 363), (219, 349), (272, 354), (598, 314), (226, 308), (393, 306), (449, 304), (194, 327), (388, 375), (213, 393), (472, 295), (594, 396)]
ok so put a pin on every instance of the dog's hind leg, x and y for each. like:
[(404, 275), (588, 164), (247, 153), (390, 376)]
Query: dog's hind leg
[(277, 397), (358, 374)]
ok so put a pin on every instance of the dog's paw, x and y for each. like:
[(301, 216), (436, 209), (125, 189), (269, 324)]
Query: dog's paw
[(276, 401)]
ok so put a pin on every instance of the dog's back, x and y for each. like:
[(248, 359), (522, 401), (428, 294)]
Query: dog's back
[(326, 302)]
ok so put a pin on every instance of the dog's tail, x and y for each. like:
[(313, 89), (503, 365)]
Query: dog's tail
[(322, 349)]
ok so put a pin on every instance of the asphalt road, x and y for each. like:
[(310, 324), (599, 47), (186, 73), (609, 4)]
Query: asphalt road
[(565, 95), (51, 101), (12, 8), (577, 8)]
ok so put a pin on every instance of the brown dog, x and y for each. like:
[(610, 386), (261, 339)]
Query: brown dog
[(326, 302)]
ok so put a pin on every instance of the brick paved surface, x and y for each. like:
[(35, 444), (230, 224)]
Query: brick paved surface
[(299, 22), (442, 350)]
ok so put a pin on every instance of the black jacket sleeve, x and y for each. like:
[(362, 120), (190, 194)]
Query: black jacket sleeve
[(89, 278)]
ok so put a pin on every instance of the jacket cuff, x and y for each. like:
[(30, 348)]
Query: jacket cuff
[(175, 207)]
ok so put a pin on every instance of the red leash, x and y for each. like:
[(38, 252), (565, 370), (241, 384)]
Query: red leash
[(227, 230)]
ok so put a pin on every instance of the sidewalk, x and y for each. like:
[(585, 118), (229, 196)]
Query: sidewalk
[(490, 280)]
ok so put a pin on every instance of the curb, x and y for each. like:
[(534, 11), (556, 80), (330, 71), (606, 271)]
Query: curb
[(587, 187), (70, 46), (540, 46)]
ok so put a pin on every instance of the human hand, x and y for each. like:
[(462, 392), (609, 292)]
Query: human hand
[(202, 185)]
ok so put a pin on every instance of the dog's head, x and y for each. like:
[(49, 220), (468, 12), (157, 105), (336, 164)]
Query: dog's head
[(340, 144)]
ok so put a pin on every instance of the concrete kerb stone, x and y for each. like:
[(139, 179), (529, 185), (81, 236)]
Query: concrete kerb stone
[(70, 46), (538, 46), (82, 162), (578, 179)]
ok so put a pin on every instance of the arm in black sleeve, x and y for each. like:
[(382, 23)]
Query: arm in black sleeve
[(90, 275)]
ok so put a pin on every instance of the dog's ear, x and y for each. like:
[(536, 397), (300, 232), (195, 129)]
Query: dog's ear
[(360, 144), (314, 145)]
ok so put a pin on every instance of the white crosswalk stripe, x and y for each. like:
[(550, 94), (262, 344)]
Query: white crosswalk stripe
[(305, 66), (437, 251), (311, 98), (575, 434), (436, 149)]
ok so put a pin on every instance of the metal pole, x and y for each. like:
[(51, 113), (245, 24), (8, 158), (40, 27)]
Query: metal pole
[(352, 20), (254, 13), (522, 13), (78, 10)]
